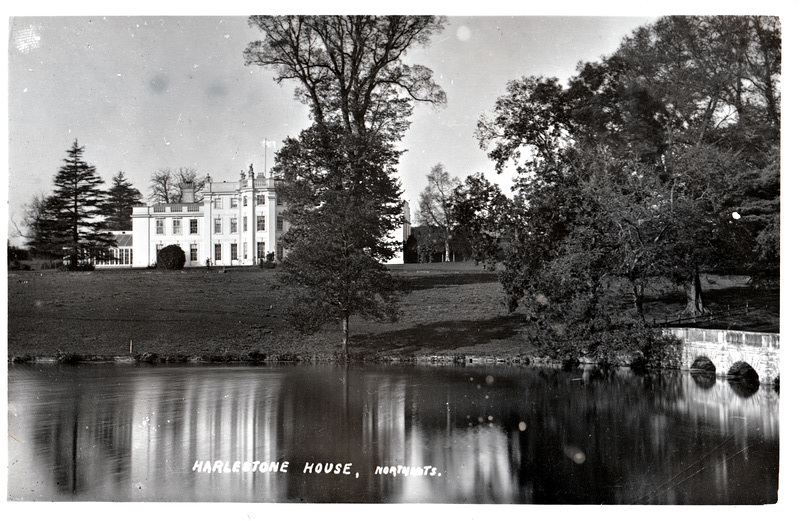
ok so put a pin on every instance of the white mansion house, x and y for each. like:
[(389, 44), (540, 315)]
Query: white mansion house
[(235, 224)]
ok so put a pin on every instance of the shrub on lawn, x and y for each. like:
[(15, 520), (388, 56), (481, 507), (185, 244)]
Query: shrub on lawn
[(170, 258)]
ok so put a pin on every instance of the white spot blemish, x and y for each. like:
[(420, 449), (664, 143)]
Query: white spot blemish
[(27, 39), (463, 33)]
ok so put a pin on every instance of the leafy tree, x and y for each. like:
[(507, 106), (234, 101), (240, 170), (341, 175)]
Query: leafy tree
[(718, 82), (411, 249), (480, 210), (661, 160), (429, 241), (340, 174), (74, 219), (436, 205), (118, 205), (342, 202)]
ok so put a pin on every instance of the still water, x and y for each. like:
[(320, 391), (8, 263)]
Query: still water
[(387, 433)]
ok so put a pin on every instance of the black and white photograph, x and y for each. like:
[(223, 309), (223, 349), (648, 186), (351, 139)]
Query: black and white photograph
[(363, 258)]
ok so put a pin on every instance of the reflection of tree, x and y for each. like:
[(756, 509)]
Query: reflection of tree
[(496, 434), (81, 432)]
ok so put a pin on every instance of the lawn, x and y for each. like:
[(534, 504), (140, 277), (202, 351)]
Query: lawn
[(452, 309)]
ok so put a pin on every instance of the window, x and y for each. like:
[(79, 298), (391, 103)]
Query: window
[(260, 223), (244, 223), (159, 226), (261, 250), (217, 203), (260, 200), (279, 224), (244, 201), (192, 225), (217, 225), (234, 202), (278, 198), (193, 252), (176, 226), (234, 252), (217, 252), (234, 225), (245, 251)]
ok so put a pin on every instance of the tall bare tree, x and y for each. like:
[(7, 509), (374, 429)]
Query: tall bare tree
[(342, 190), (436, 204)]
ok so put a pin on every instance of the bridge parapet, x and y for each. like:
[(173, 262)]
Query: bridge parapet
[(724, 348)]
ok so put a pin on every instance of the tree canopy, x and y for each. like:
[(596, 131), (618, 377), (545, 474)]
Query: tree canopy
[(660, 160)]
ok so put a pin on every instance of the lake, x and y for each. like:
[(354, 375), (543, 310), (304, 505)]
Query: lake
[(387, 434)]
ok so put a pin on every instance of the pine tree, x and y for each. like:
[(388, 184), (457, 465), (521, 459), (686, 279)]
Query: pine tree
[(119, 202), (78, 229)]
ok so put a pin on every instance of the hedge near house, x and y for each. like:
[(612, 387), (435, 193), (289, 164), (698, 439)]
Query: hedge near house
[(171, 257)]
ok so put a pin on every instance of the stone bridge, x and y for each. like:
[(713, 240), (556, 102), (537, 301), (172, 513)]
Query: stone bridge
[(730, 350)]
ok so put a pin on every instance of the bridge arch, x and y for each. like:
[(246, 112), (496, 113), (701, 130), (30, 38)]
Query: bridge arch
[(703, 363), (743, 371)]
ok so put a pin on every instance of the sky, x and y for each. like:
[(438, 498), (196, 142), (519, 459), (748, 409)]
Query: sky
[(145, 93)]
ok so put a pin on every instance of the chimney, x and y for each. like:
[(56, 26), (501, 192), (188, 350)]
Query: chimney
[(187, 192)]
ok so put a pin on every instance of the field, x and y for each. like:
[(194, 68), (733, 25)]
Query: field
[(452, 309)]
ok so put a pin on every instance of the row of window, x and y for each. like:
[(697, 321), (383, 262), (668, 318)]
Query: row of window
[(261, 252), (177, 225), (261, 200), (118, 257)]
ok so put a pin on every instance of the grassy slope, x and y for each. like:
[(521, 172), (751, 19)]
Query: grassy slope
[(452, 309)]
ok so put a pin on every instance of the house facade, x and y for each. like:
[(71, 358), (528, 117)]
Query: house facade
[(235, 224)]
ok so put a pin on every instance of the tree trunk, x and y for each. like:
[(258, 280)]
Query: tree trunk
[(694, 296), (638, 298), (346, 336)]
